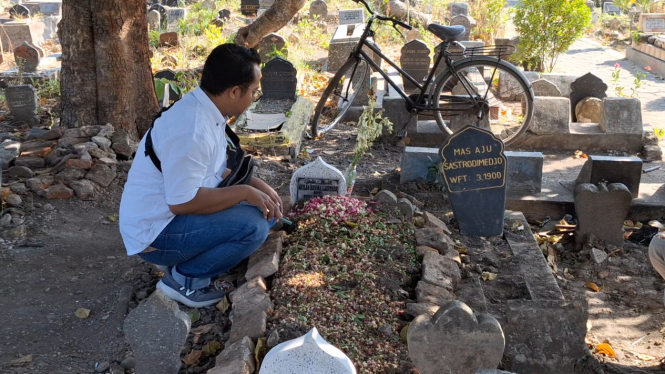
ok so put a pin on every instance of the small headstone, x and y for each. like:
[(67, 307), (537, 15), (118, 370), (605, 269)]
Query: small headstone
[(154, 20), (585, 86), (174, 17), (171, 3), (651, 23), (224, 14), (317, 179), (611, 9), (318, 10), (169, 39), (170, 76), (208, 4), (413, 34), (278, 80), (156, 330), (543, 87), (621, 115), (589, 110), (474, 170), (415, 60), (19, 11), (465, 21), (459, 9), (249, 7), (271, 46), (218, 22), (309, 353), (455, 340), (351, 16), (601, 211), (159, 8), (40, 50), (22, 101), (612, 169), (27, 57), (551, 115), (170, 61)]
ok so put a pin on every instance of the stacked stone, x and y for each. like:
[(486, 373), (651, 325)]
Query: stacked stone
[(60, 163)]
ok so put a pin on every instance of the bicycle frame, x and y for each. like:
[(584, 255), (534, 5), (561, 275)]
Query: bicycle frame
[(420, 104)]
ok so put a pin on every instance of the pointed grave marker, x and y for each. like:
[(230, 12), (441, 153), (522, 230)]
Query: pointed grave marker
[(317, 179)]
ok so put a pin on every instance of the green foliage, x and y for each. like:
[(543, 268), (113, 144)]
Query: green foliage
[(649, 6), (47, 88), (491, 17), (160, 87), (197, 20), (154, 38), (548, 28), (624, 5), (276, 53), (371, 125)]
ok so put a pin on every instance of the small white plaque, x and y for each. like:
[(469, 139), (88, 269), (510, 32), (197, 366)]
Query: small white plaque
[(351, 16), (317, 179)]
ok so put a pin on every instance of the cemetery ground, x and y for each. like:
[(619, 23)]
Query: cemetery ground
[(70, 256)]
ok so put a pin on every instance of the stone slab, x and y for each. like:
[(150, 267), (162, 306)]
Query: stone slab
[(536, 272), (13, 34), (265, 261), (612, 169), (643, 59), (612, 202), (621, 115), (551, 115)]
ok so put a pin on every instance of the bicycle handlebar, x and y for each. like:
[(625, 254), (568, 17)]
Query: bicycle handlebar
[(384, 18)]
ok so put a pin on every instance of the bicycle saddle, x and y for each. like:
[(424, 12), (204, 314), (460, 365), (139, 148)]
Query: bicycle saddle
[(446, 33)]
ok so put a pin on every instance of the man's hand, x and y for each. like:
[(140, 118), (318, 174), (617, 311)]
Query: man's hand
[(264, 202), (266, 189)]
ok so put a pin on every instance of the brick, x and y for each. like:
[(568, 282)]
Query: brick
[(422, 249), (432, 221), (101, 174), (252, 325), (435, 238), (416, 309), (30, 162), (77, 163), (58, 191), (236, 358), (39, 183), (440, 271), (429, 293), (265, 261)]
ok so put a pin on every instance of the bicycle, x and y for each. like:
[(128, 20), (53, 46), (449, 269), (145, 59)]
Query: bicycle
[(453, 97)]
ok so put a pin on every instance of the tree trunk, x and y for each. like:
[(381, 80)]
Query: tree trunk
[(276, 17), (106, 75)]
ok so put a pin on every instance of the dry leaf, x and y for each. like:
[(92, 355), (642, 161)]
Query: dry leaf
[(351, 224), (260, 350), (517, 226), (487, 276), (374, 191), (192, 358), (21, 361), (82, 313), (579, 154), (644, 357), (203, 329), (592, 286), (194, 315), (211, 348), (223, 305), (605, 349)]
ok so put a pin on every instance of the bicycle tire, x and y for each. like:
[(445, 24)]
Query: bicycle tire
[(361, 72), (487, 61)]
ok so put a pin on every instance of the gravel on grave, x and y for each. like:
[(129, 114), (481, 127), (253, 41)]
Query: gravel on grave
[(351, 281)]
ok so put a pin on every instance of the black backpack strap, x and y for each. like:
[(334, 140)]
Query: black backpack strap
[(150, 151)]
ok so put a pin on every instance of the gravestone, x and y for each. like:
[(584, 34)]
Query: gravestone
[(156, 330), (351, 16), (318, 10), (413, 34), (601, 211), (278, 80), (224, 14), (611, 9), (171, 3), (169, 39), (543, 87), (27, 57), (621, 115), (19, 11), (612, 169), (309, 353), (22, 102), (455, 340), (40, 50), (208, 4), (465, 21), (474, 170), (459, 9), (585, 86), (415, 60), (249, 7), (160, 9), (170, 76), (155, 20), (218, 22), (173, 18), (651, 23), (270, 45), (316, 179)]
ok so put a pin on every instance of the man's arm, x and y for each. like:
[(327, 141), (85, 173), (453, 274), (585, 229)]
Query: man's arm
[(213, 200)]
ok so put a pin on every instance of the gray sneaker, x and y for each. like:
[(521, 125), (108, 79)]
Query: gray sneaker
[(192, 298)]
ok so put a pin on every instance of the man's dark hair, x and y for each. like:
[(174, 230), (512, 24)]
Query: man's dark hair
[(229, 65)]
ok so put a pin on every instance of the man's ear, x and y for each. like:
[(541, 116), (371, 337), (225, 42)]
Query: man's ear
[(234, 92)]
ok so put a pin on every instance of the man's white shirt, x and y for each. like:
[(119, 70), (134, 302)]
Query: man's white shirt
[(190, 141)]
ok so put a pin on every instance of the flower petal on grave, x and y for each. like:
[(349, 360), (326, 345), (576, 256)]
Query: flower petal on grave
[(606, 349)]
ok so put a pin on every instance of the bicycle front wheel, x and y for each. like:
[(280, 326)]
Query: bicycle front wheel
[(499, 95), (352, 79)]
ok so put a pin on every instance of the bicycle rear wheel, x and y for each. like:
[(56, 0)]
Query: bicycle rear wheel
[(351, 80), (504, 95)]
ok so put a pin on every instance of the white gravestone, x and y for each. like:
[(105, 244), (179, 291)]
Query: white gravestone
[(173, 17), (154, 20), (208, 4), (317, 179), (351, 16), (650, 23), (309, 354)]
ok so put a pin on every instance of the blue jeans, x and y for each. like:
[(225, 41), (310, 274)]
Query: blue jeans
[(204, 246)]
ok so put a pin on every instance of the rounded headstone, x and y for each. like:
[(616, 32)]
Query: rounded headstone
[(27, 57), (19, 11), (589, 110)]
